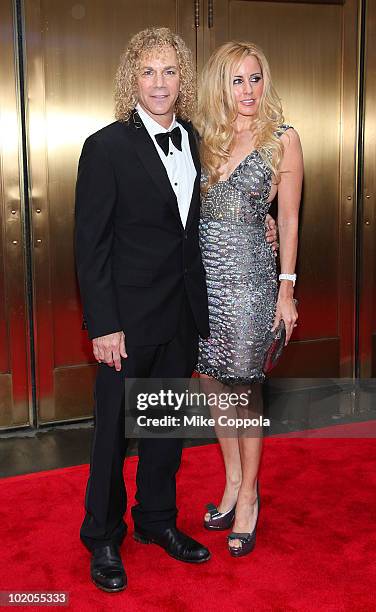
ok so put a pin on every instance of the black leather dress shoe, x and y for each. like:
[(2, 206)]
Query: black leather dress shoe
[(176, 543), (107, 571)]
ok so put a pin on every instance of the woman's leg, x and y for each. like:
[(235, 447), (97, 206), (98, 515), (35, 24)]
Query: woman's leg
[(229, 446), (231, 457), (250, 448)]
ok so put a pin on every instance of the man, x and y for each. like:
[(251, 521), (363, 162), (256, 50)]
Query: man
[(143, 289)]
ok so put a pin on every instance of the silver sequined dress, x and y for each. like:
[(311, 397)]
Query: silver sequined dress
[(241, 273)]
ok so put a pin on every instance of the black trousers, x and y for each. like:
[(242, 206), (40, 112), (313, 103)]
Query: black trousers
[(159, 459)]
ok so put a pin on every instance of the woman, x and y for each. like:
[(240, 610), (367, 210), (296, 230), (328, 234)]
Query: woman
[(248, 156)]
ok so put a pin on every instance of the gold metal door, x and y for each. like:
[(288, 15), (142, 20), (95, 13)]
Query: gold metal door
[(72, 51), (312, 47), (14, 400), (367, 217)]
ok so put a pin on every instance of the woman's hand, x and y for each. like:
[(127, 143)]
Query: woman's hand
[(286, 310)]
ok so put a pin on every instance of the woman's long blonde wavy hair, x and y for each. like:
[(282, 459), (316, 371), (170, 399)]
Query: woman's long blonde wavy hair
[(217, 110), (143, 43)]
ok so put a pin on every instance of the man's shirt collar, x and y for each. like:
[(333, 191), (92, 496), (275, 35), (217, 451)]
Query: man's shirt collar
[(152, 126)]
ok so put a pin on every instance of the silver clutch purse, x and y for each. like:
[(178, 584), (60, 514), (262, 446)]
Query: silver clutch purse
[(275, 346)]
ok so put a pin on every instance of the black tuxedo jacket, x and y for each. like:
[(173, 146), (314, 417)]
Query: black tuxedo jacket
[(135, 260)]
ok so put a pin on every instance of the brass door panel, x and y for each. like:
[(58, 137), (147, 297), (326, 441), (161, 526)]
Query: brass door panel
[(367, 320), (14, 401), (72, 52), (316, 78)]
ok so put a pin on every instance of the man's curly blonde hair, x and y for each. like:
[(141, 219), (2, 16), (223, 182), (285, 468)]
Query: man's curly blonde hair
[(140, 45)]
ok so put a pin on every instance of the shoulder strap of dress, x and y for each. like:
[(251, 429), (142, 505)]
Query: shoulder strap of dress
[(282, 129)]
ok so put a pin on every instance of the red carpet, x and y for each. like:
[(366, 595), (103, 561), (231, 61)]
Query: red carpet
[(360, 429), (315, 550)]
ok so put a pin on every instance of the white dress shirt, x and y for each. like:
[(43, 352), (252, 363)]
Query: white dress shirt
[(179, 165)]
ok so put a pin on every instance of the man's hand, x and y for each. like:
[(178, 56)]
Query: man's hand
[(109, 349), (271, 233)]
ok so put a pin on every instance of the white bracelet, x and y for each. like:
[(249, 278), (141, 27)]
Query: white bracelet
[(290, 277)]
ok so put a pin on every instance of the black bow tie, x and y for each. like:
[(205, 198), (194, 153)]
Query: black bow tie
[(162, 139)]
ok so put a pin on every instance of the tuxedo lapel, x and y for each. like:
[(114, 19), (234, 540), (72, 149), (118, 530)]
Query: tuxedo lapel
[(195, 200), (193, 145), (151, 161)]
